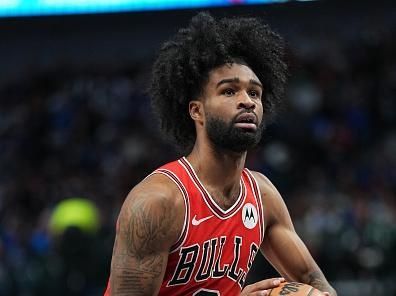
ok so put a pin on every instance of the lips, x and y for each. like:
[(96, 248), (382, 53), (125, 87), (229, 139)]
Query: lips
[(246, 121), (246, 118)]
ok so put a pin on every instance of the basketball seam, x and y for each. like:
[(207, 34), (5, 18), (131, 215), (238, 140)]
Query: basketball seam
[(270, 292)]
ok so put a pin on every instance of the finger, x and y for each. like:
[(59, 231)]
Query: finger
[(257, 293), (264, 285), (260, 293), (326, 293)]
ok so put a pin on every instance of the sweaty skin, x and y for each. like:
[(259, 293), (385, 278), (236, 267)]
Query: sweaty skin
[(151, 218)]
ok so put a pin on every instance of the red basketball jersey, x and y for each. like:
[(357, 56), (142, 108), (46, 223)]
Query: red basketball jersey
[(216, 247)]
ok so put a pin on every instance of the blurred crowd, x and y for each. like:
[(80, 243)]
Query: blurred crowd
[(90, 134)]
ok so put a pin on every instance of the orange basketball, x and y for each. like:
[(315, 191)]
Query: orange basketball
[(295, 289)]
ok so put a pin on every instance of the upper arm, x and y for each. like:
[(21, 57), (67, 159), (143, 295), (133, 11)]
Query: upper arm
[(146, 229), (282, 246)]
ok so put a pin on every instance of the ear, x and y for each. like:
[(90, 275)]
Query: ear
[(196, 111)]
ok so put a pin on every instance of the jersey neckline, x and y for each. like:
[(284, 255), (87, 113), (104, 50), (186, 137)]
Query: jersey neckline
[(209, 200)]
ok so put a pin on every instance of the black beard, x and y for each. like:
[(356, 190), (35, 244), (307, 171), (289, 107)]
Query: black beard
[(228, 137)]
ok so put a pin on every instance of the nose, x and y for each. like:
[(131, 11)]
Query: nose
[(246, 102)]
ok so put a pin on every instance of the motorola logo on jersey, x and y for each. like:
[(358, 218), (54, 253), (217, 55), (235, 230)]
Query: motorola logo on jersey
[(249, 216)]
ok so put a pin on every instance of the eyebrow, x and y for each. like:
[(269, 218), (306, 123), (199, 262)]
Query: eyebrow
[(236, 80)]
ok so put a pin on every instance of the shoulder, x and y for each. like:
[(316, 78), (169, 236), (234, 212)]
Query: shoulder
[(155, 188), (265, 186), (154, 202), (274, 205)]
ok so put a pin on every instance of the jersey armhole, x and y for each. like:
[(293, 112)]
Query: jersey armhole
[(259, 200), (183, 191)]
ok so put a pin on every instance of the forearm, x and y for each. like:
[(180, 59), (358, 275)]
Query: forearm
[(283, 248), (316, 279), (142, 278), (293, 260)]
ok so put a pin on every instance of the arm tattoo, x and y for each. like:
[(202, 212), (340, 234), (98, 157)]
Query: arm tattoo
[(317, 280), (134, 280), (143, 232), (146, 228)]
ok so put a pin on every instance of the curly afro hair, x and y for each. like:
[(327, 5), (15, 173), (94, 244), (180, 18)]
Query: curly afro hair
[(184, 62)]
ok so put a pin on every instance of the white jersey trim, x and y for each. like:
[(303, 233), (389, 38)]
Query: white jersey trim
[(259, 201), (183, 234), (242, 194)]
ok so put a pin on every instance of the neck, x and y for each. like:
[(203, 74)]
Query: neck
[(218, 169)]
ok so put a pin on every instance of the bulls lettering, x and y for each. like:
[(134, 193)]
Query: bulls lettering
[(212, 263), (185, 267), (205, 265)]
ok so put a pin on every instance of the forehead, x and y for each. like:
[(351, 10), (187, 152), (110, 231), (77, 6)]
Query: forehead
[(242, 72)]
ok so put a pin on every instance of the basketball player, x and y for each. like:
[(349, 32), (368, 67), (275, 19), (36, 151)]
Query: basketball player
[(195, 225)]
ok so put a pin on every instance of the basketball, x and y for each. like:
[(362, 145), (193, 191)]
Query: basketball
[(295, 289)]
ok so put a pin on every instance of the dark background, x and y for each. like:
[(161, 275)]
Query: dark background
[(75, 122)]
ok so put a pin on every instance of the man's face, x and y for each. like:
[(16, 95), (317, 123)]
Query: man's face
[(233, 108)]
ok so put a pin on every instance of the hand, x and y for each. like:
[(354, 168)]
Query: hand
[(261, 288)]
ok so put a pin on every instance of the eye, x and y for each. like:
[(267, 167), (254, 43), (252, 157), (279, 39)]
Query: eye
[(228, 92), (254, 93)]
